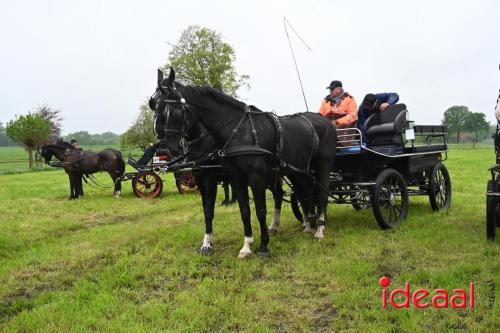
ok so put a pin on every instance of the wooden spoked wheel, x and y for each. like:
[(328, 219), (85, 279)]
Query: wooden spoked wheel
[(147, 184)]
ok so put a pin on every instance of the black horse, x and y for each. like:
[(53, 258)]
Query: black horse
[(78, 163), (257, 148), (198, 147)]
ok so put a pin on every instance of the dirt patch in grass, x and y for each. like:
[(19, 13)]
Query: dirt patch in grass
[(323, 316)]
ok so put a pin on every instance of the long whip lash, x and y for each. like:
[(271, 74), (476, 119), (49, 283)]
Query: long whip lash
[(285, 23)]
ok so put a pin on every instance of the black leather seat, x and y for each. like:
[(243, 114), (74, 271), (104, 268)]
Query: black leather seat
[(386, 127)]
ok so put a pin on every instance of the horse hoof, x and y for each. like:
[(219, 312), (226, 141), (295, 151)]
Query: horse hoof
[(224, 203), (273, 230), (243, 255), (205, 250), (263, 253)]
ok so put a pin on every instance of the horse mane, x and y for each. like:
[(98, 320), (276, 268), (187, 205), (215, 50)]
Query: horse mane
[(64, 145), (61, 145), (216, 94)]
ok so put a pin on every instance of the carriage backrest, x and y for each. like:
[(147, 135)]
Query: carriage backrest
[(393, 119)]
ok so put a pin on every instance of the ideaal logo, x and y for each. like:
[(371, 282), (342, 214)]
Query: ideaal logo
[(422, 298)]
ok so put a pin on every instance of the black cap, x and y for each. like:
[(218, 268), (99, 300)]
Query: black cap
[(334, 84)]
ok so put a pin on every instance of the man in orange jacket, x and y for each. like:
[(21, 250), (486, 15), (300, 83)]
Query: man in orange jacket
[(339, 106)]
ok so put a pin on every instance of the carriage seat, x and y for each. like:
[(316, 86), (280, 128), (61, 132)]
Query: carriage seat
[(386, 127)]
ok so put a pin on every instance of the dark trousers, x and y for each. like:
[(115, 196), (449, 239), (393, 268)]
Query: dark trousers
[(149, 152)]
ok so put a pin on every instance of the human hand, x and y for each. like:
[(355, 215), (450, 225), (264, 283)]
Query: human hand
[(337, 111), (383, 106)]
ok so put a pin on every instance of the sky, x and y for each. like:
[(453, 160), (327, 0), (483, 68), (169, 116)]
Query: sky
[(96, 61)]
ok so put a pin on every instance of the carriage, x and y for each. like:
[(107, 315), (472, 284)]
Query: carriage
[(396, 159), (147, 182)]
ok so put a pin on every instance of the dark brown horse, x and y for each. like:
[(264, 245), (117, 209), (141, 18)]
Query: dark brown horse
[(77, 163)]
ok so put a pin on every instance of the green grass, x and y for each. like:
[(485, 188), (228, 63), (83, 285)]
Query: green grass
[(115, 265)]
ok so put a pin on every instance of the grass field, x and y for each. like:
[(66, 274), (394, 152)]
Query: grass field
[(114, 265)]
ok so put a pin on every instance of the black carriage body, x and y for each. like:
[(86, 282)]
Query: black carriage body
[(399, 160), (368, 164)]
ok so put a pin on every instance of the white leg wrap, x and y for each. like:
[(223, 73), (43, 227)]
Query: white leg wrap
[(307, 227), (207, 241), (319, 232), (246, 249), (276, 220)]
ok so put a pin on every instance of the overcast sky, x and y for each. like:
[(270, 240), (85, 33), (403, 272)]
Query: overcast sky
[(96, 61)]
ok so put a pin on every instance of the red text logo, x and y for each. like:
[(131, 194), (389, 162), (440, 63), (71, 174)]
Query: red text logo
[(422, 298)]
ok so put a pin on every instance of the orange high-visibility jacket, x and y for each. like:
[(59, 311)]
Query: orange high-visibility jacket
[(347, 104)]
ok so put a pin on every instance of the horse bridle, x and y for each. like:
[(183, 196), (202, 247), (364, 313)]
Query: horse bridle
[(184, 142)]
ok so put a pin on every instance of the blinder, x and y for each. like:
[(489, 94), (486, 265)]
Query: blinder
[(183, 141)]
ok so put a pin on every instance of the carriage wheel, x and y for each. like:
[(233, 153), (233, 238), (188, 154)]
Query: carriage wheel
[(185, 181), (390, 199), (439, 188), (492, 210), (147, 184), (296, 207)]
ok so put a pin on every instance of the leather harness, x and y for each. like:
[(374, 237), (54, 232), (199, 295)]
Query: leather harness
[(228, 151)]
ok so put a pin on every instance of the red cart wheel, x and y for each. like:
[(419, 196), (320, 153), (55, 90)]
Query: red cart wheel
[(185, 181), (147, 184)]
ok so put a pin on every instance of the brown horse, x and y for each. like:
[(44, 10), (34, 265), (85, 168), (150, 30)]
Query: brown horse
[(78, 163)]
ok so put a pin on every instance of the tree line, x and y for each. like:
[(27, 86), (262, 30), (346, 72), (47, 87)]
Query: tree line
[(85, 138), (461, 121)]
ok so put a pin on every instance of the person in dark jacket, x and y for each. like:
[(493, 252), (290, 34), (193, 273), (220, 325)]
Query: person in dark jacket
[(374, 103), (149, 152)]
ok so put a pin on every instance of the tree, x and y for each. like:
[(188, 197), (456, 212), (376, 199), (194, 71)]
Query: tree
[(476, 122), (200, 57), (455, 118), (141, 133), (52, 116), (30, 131)]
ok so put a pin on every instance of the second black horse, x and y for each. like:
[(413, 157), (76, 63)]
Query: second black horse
[(257, 148)]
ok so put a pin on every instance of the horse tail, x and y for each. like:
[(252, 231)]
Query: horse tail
[(120, 167)]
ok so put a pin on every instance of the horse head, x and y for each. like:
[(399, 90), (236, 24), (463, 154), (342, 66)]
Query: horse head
[(58, 150), (47, 153), (168, 103)]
